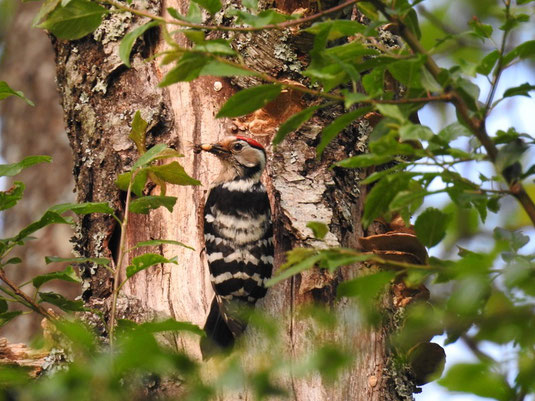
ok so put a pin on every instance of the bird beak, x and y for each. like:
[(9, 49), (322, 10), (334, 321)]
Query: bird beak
[(215, 148)]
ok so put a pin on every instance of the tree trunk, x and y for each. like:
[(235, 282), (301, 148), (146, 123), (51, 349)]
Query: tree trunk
[(100, 97)]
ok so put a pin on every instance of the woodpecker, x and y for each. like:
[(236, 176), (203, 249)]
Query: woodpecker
[(238, 236)]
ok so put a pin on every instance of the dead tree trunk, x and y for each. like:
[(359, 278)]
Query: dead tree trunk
[(100, 97)]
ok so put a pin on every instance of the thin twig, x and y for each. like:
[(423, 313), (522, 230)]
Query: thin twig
[(500, 65), (122, 248), (21, 294), (282, 25)]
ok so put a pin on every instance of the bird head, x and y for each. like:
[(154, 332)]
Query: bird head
[(242, 157)]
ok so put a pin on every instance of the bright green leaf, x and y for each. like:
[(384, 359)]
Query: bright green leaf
[(145, 261), (478, 379), (57, 259), (410, 131), (364, 160), (75, 20), (217, 68), (318, 228), (7, 316), (145, 204), (170, 325), (83, 208), (137, 132), (213, 6), (9, 198), (487, 64), (61, 302), (127, 43), (10, 170), (48, 218), (382, 194), (431, 226), (337, 28), (522, 90), (150, 155), (293, 123), (248, 100), (173, 173), (6, 91), (68, 274), (187, 69)]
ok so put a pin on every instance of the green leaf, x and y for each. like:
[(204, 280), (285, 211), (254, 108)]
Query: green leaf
[(9, 198), (187, 69), (156, 242), (487, 64), (250, 4), (137, 133), (337, 28), (454, 131), (368, 286), (9, 170), (145, 261), (216, 46), (3, 305), (217, 68), (415, 132), (170, 325), (263, 18), (194, 14), (524, 50), (350, 98), (146, 203), (48, 218), (151, 155), (318, 228), (127, 43), (7, 316), (522, 90), (83, 208), (75, 20), (408, 72), (382, 194), (248, 100), (340, 123), (68, 274), (6, 91), (173, 173), (365, 160), (213, 6), (431, 226), (393, 111), (374, 82), (478, 379), (140, 179), (293, 123), (480, 29), (61, 302), (57, 259), (297, 260)]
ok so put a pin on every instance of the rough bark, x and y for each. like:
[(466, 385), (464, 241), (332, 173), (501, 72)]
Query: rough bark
[(28, 65), (100, 97)]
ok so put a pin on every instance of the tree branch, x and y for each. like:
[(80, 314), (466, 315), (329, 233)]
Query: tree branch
[(21, 294), (280, 26)]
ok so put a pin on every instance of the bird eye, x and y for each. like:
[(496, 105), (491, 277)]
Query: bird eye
[(237, 146)]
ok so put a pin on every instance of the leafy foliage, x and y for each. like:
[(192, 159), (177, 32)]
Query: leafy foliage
[(491, 287)]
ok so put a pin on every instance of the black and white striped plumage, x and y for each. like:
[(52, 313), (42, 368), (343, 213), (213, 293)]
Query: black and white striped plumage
[(238, 236)]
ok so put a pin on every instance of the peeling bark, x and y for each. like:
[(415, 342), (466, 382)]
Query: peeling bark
[(100, 97)]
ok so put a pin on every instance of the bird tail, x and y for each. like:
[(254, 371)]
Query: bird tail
[(221, 330)]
